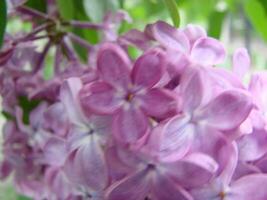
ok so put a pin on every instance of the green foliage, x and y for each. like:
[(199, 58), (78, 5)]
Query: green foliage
[(173, 10), (3, 19), (66, 8), (96, 9), (215, 23), (27, 106), (257, 16), (39, 5)]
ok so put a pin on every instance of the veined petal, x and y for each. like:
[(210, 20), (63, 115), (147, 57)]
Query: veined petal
[(87, 165), (149, 68), (207, 51), (133, 187), (114, 65), (159, 103), (100, 98), (130, 125), (172, 140), (228, 110)]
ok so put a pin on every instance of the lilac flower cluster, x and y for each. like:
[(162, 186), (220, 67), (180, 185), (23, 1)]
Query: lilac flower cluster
[(168, 125)]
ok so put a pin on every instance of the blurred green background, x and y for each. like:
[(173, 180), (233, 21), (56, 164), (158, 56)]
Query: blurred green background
[(237, 23)]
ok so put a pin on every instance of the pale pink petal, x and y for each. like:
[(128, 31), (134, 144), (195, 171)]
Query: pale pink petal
[(149, 68), (249, 187), (114, 65), (99, 98), (69, 97), (200, 168), (192, 90), (159, 103), (87, 166), (133, 187), (253, 146), (228, 110), (130, 126), (168, 36), (207, 51), (241, 62), (194, 32), (136, 38), (165, 188), (55, 152), (171, 141)]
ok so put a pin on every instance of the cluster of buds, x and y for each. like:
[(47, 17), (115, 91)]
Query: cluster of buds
[(167, 125)]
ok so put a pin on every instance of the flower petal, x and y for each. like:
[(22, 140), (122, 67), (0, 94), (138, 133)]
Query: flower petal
[(241, 62), (100, 98), (194, 32), (164, 188), (130, 125), (249, 186), (159, 103), (168, 36), (87, 166), (172, 140), (113, 65), (133, 187), (208, 51), (149, 68), (228, 110)]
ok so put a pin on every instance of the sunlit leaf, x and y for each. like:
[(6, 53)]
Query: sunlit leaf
[(66, 8), (215, 24), (257, 16), (173, 10)]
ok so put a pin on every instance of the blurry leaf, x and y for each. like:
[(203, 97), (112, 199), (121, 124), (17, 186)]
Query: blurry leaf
[(39, 5), (215, 24), (173, 10), (27, 106), (20, 197), (257, 16), (3, 18), (264, 4), (96, 9), (89, 35), (66, 8)]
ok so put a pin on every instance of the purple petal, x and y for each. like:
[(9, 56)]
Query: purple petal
[(113, 65), (133, 187), (249, 186), (164, 188), (241, 62), (130, 126), (87, 166), (149, 68), (228, 110), (194, 32), (168, 36), (159, 103), (172, 140), (100, 98), (208, 51)]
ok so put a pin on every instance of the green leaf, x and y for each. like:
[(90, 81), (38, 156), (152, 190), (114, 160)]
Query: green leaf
[(3, 20), (27, 106), (174, 12), (96, 9), (215, 24), (257, 16), (39, 5), (20, 197), (66, 8)]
